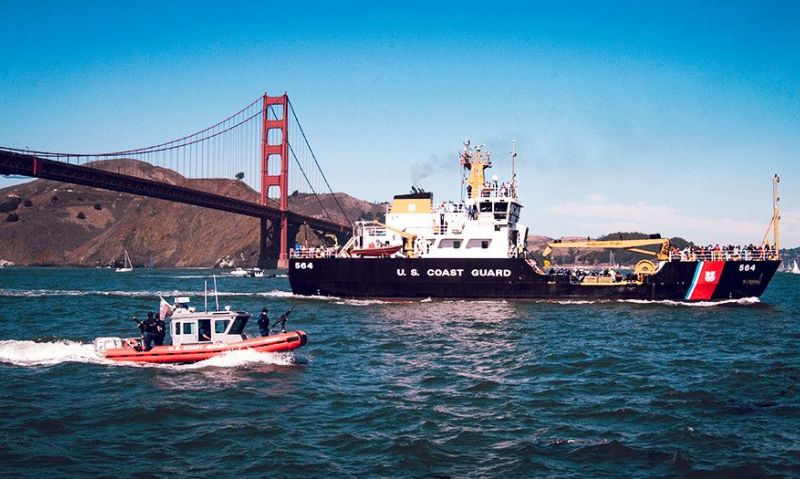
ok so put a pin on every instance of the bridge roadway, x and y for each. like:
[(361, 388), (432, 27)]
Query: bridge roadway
[(12, 163)]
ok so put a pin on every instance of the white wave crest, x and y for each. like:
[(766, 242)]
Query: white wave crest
[(32, 353), (243, 357), (277, 293), (696, 304)]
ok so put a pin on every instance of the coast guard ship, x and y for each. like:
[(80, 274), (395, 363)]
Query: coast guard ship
[(476, 248)]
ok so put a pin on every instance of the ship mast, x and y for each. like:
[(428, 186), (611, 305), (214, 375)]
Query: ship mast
[(776, 214), (514, 168)]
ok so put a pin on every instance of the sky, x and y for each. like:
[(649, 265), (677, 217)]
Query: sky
[(668, 117)]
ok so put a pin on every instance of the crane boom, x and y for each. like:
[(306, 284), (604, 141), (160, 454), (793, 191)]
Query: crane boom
[(630, 245)]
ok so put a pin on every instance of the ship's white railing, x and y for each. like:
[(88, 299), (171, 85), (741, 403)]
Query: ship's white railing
[(503, 190), (307, 253), (743, 254)]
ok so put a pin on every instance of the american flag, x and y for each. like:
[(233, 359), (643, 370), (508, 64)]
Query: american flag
[(166, 309)]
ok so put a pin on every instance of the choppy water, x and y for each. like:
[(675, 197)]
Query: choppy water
[(407, 389)]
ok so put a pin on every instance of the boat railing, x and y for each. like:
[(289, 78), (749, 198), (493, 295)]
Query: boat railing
[(309, 253), (724, 255)]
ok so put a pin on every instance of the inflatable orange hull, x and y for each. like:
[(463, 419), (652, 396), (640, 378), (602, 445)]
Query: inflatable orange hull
[(191, 353)]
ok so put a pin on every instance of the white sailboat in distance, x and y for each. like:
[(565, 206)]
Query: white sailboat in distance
[(128, 267), (795, 269)]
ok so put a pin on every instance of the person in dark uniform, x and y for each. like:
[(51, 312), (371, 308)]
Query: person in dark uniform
[(263, 322), (150, 331), (161, 328)]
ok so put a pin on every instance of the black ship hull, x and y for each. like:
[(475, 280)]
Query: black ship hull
[(514, 278)]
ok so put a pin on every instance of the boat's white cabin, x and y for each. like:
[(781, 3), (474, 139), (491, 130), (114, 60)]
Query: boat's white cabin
[(188, 326)]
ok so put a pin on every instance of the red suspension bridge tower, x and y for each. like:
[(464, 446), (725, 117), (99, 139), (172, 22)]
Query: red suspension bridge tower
[(275, 165)]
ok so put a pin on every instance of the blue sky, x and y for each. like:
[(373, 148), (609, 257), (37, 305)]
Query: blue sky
[(653, 116)]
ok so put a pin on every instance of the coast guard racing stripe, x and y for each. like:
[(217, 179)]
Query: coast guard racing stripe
[(706, 278)]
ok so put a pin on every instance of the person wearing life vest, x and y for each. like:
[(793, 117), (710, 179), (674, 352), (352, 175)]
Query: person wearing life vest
[(161, 331), (263, 322), (150, 331)]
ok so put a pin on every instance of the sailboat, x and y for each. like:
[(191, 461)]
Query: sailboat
[(128, 266), (795, 269)]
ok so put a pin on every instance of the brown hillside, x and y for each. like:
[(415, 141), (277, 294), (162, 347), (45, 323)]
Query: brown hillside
[(49, 223)]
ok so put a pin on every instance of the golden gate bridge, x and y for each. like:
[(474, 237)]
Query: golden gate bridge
[(263, 144)]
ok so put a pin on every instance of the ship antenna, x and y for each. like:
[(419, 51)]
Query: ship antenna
[(216, 294), (514, 168), (205, 294)]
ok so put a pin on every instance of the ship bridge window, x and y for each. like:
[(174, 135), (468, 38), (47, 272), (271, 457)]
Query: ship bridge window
[(485, 206), (220, 325), (188, 328), (450, 243), (500, 207), (479, 243), (238, 325), (177, 328)]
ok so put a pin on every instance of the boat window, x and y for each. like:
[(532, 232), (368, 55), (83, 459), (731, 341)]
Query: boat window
[(485, 206), (450, 243), (221, 325), (238, 324), (177, 328), (188, 328), (501, 207), (479, 243), (204, 333)]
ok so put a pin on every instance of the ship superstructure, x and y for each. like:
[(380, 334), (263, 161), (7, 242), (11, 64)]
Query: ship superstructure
[(483, 224)]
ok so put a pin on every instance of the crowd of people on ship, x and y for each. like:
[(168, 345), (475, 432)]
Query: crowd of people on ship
[(723, 253), (579, 274)]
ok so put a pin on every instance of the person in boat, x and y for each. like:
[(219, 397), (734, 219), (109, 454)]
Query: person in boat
[(205, 335), (263, 322), (161, 331), (150, 331)]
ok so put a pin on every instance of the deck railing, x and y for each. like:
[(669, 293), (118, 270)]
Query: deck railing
[(757, 254)]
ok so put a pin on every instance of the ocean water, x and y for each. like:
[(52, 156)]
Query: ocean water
[(400, 389)]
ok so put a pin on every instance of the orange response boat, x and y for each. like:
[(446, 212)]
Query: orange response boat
[(197, 336)]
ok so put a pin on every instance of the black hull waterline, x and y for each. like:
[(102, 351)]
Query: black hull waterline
[(514, 278)]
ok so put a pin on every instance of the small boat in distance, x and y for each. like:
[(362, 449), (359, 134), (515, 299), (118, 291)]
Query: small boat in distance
[(196, 336), (127, 266), (795, 269)]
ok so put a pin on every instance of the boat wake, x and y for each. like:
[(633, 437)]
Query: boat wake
[(34, 353), (42, 293), (696, 304), (234, 359)]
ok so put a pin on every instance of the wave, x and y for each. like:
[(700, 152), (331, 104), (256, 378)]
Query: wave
[(244, 357), (42, 293), (696, 304), (34, 353)]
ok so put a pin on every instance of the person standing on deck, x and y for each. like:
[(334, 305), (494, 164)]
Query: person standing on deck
[(263, 322), (150, 331)]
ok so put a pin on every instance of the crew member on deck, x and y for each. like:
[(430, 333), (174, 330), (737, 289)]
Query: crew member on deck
[(150, 331), (161, 331), (263, 322)]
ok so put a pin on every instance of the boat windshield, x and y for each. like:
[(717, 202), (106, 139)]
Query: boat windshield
[(238, 324)]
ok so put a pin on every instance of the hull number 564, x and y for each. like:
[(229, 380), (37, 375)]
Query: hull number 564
[(747, 267), (304, 265)]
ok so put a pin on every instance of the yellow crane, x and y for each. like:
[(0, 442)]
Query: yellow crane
[(642, 267)]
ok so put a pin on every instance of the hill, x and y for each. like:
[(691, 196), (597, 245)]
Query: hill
[(44, 222)]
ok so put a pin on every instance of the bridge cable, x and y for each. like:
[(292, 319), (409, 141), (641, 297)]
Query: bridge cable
[(300, 127)]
